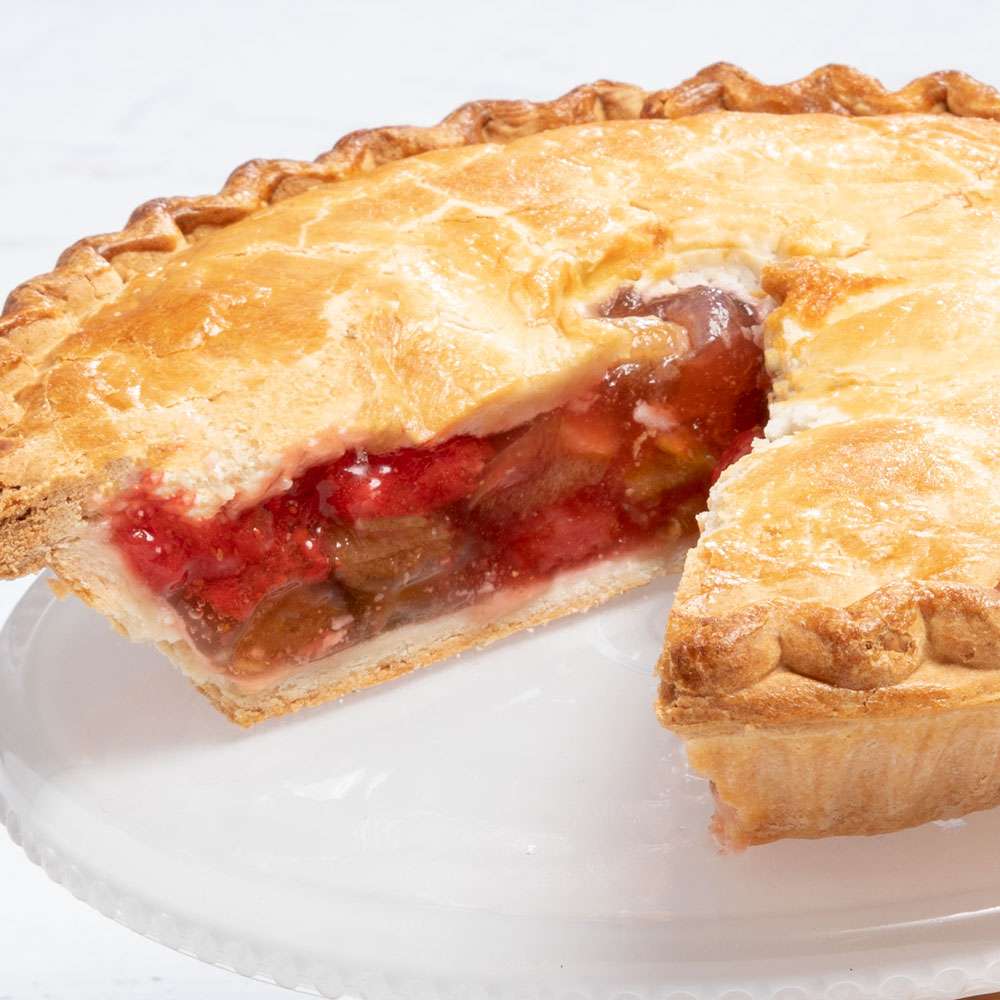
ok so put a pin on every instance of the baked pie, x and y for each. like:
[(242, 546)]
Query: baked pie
[(349, 417)]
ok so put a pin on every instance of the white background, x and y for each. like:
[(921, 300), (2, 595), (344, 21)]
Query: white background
[(108, 104)]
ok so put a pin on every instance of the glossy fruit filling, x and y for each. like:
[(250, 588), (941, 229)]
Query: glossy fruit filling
[(373, 541)]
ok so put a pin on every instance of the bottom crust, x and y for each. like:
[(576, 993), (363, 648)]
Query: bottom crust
[(412, 646), (857, 777)]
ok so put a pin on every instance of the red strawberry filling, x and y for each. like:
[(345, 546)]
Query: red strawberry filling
[(370, 541), (408, 482)]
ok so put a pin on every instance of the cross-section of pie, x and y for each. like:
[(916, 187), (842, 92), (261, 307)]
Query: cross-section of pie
[(352, 416)]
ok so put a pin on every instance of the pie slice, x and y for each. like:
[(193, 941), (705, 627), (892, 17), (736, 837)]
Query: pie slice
[(349, 417)]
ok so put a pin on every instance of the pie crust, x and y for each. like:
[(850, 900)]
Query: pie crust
[(831, 658)]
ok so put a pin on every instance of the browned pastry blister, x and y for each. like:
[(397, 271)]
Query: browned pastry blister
[(841, 604)]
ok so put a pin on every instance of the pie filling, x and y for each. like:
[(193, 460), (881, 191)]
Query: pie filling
[(370, 542)]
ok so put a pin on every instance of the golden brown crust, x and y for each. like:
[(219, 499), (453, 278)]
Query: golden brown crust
[(723, 654), (158, 227), (852, 567), (42, 312)]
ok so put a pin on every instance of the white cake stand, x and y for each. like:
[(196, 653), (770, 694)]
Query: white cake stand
[(513, 824)]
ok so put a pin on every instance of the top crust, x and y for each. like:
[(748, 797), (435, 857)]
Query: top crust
[(848, 565), (43, 499)]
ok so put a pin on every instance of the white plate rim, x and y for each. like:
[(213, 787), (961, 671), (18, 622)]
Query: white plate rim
[(893, 978)]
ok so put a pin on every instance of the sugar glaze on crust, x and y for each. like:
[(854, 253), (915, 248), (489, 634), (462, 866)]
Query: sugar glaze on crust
[(919, 628)]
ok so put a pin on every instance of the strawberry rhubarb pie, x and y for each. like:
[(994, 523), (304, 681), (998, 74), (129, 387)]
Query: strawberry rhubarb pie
[(351, 416)]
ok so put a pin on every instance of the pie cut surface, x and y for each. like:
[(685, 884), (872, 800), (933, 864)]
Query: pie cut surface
[(349, 417)]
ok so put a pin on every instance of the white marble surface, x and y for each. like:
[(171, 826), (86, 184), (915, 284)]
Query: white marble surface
[(107, 104)]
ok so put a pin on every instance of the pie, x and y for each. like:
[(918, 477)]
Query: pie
[(349, 417)]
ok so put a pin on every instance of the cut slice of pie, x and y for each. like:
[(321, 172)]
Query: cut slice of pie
[(349, 417)]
